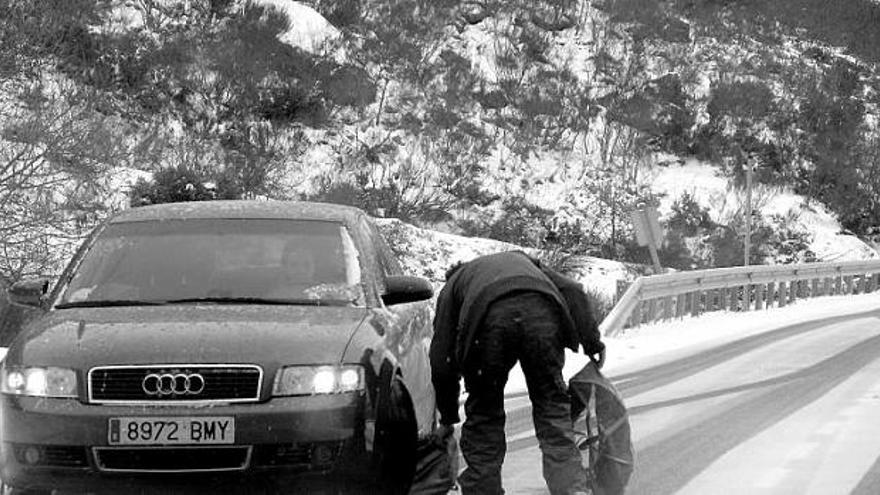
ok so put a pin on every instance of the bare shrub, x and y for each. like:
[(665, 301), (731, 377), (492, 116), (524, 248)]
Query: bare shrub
[(54, 148)]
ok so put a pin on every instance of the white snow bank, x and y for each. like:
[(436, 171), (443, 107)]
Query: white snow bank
[(429, 253), (309, 30)]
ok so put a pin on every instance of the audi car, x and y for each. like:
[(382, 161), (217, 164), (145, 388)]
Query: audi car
[(244, 346)]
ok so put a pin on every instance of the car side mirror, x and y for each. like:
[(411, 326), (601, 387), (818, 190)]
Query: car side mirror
[(29, 292), (404, 289)]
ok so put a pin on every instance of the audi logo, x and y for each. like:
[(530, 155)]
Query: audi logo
[(163, 384)]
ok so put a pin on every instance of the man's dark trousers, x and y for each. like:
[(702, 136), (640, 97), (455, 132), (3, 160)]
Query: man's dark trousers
[(521, 327)]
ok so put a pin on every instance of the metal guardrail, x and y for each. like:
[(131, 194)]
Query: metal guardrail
[(675, 295)]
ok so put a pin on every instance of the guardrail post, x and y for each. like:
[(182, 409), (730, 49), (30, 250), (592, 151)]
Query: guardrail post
[(863, 284), (814, 287), (849, 284), (622, 285), (667, 308), (826, 286), (759, 296), (746, 297), (680, 305), (631, 320), (652, 310), (634, 317), (792, 291), (783, 294), (873, 282), (696, 303)]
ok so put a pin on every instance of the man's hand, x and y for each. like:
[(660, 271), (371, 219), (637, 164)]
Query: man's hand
[(442, 434), (599, 358)]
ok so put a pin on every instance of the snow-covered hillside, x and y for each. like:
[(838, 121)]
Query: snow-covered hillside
[(565, 180), (505, 108), (428, 253), (705, 184)]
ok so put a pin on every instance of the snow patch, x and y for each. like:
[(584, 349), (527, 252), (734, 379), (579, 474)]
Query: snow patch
[(309, 30), (710, 189)]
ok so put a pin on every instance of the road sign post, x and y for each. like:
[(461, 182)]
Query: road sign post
[(748, 237), (646, 221)]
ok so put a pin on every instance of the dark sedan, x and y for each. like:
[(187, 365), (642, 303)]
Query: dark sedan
[(246, 346)]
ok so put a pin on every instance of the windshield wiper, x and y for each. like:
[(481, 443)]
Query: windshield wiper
[(107, 303), (256, 300)]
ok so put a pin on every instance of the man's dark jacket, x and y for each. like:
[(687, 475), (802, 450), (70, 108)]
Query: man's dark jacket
[(466, 297)]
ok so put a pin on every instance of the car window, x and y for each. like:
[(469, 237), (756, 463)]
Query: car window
[(232, 259)]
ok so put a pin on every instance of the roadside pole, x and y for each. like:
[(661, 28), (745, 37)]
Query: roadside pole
[(646, 221), (748, 239)]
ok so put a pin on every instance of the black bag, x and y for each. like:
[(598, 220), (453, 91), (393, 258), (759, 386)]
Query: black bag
[(602, 431), (437, 466)]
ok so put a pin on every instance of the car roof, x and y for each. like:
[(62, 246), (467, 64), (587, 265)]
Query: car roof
[(299, 210)]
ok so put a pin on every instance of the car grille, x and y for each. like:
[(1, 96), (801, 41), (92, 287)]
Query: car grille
[(221, 383), (172, 459)]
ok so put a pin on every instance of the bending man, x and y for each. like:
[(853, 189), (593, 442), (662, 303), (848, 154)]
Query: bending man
[(494, 311)]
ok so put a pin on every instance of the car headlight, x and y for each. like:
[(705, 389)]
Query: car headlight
[(313, 380), (39, 382)]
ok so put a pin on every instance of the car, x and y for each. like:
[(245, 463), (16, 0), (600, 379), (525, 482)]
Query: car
[(225, 345)]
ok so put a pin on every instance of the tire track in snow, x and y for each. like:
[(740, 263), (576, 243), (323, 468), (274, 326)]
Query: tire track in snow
[(667, 466), (519, 419)]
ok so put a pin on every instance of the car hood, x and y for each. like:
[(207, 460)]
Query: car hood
[(266, 335)]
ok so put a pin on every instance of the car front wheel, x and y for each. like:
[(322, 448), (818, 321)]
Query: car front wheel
[(394, 453)]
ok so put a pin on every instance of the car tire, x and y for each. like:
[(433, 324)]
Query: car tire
[(394, 453)]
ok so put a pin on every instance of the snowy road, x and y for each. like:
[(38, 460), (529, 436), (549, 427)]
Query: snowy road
[(790, 410)]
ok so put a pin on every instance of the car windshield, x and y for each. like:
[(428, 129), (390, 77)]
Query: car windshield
[(217, 261)]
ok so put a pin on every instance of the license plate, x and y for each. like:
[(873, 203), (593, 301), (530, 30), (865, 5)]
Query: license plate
[(195, 430)]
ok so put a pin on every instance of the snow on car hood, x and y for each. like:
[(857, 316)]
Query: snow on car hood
[(264, 335)]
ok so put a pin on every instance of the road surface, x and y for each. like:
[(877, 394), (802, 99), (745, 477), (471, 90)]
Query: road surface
[(795, 410)]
